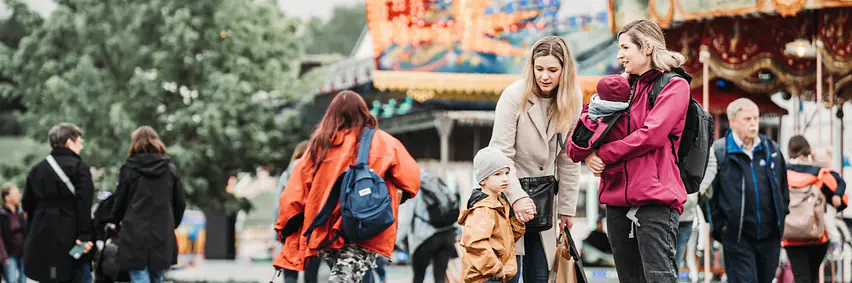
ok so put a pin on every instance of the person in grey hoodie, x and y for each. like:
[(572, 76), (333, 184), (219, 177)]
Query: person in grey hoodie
[(425, 242)]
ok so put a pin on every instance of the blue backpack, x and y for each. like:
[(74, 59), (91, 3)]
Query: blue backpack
[(365, 203)]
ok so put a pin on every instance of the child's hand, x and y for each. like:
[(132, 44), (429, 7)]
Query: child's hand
[(530, 210), (500, 273)]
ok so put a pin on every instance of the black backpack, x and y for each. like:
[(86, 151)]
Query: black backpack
[(443, 205), (697, 137)]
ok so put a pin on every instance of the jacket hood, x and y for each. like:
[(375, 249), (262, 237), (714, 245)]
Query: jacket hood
[(651, 75), (479, 199), (476, 196), (149, 164), (681, 72)]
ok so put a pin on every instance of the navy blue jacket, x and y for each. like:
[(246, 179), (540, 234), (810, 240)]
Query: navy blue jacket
[(740, 193)]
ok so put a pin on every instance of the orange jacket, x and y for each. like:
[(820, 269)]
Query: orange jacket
[(307, 190), (830, 184), (488, 238)]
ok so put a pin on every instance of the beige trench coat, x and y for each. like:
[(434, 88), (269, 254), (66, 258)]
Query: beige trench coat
[(523, 135)]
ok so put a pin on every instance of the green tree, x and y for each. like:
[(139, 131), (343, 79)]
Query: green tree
[(208, 75), (19, 23), (339, 33)]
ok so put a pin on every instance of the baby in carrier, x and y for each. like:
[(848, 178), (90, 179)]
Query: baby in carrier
[(599, 122)]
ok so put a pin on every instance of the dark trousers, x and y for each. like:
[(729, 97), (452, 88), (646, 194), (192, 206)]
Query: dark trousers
[(311, 271), (78, 274), (381, 262), (533, 264), (805, 261), (438, 250), (649, 256), (751, 260)]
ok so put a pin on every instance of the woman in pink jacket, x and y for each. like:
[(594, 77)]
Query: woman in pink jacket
[(640, 180)]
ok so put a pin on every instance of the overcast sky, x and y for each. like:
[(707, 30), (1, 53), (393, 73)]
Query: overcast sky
[(43, 7), (309, 8)]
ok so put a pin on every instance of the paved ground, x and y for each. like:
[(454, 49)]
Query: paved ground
[(215, 271)]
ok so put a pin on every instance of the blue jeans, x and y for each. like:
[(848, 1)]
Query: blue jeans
[(145, 276), (13, 270), (684, 232), (533, 264), (86, 272)]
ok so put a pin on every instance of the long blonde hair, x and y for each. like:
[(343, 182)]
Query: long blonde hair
[(562, 112), (645, 34)]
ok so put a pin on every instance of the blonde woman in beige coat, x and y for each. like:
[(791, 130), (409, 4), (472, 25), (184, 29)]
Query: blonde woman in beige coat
[(528, 117)]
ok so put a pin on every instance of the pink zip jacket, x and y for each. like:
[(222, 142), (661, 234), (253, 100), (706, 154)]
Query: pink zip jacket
[(641, 167)]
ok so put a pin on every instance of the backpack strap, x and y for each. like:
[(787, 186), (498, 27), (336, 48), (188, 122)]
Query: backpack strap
[(61, 174), (720, 149), (659, 84), (364, 146), (325, 213)]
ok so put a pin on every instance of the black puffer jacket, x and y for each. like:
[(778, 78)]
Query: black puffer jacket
[(149, 205)]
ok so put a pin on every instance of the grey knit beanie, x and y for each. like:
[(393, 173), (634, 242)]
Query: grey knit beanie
[(487, 161)]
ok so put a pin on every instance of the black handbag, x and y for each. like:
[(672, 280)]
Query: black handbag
[(541, 190)]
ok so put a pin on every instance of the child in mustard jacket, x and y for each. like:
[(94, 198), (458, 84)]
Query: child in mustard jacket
[(490, 228)]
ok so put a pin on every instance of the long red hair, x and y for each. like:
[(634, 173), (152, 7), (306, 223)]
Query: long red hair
[(347, 113)]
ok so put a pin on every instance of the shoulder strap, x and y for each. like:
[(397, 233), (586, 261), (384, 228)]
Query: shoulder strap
[(60, 173), (560, 147), (325, 212), (364, 146), (659, 84), (720, 150)]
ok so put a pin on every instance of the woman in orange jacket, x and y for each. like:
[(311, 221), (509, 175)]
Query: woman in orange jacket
[(803, 175), (333, 149)]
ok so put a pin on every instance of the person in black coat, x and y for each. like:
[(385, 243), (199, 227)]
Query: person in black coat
[(149, 205), (13, 232), (59, 215)]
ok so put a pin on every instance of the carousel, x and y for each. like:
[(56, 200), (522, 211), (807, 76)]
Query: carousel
[(805, 57), (799, 50)]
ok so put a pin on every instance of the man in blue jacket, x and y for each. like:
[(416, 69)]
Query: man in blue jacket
[(750, 196)]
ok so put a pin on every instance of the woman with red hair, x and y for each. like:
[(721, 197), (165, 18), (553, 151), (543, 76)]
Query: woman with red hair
[(333, 149)]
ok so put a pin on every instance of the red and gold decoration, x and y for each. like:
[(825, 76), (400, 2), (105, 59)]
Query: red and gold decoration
[(751, 52), (666, 12)]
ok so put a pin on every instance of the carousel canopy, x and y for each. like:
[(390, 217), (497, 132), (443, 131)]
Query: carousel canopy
[(668, 12), (722, 96), (750, 52)]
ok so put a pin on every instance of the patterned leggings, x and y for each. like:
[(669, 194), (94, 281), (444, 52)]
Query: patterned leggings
[(349, 263)]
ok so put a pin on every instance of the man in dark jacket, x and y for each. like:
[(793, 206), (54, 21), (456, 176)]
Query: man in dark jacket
[(750, 196), (60, 216)]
